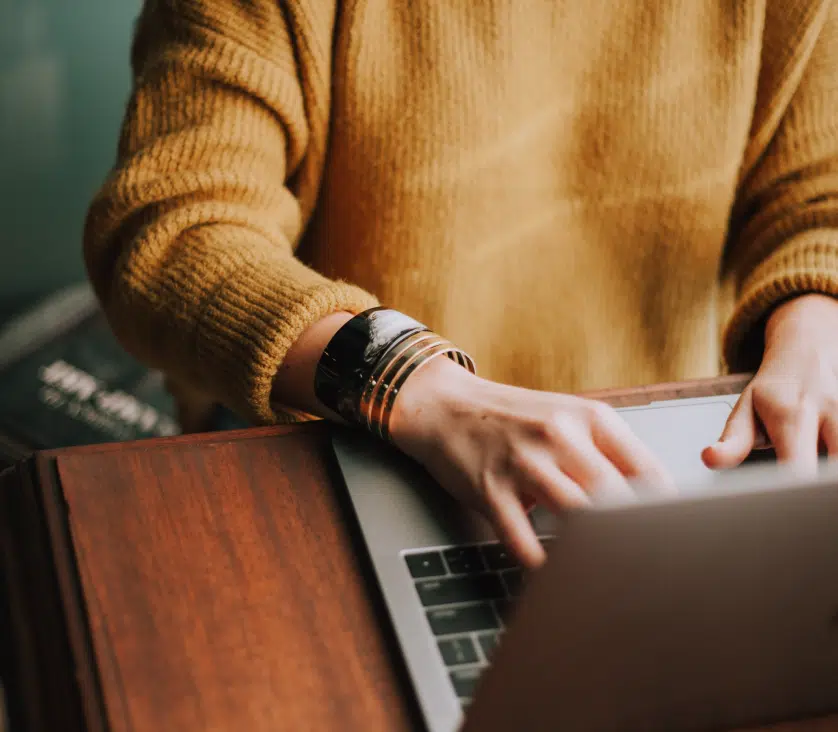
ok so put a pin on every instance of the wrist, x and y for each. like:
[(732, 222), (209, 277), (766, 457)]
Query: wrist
[(426, 401), (369, 361), (293, 384), (800, 315)]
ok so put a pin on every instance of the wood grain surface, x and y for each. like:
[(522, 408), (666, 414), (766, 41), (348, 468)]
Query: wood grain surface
[(223, 591), (681, 390), (226, 590)]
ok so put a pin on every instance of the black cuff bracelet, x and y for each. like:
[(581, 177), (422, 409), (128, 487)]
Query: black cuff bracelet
[(352, 354)]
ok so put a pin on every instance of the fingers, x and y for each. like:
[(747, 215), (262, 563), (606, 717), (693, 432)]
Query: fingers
[(629, 454), (528, 501), (514, 529), (583, 462), (793, 426), (738, 437), (549, 486), (538, 479), (796, 440), (829, 434)]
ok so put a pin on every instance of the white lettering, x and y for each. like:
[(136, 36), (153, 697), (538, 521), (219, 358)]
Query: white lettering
[(53, 373), (115, 411), (51, 397)]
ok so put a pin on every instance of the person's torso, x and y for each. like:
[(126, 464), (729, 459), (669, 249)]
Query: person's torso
[(547, 183)]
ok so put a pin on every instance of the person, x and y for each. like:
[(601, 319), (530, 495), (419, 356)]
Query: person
[(571, 195)]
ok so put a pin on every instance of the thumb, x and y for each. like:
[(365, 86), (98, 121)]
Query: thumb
[(737, 439)]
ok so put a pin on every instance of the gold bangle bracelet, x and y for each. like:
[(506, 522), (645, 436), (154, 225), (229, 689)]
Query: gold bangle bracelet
[(387, 410), (385, 397), (374, 405), (380, 371), (370, 409), (408, 367)]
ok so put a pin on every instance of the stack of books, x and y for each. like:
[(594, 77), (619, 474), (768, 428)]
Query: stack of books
[(65, 380)]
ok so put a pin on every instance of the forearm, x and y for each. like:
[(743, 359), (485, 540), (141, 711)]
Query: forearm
[(782, 239), (293, 385), (294, 382), (804, 315), (190, 242)]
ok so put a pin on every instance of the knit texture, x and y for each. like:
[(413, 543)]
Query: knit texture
[(582, 195)]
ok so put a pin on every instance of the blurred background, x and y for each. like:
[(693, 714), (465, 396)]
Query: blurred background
[(64, 82), (64, 79)]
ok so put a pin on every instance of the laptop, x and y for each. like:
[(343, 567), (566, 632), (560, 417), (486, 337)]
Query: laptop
[(719, 608)]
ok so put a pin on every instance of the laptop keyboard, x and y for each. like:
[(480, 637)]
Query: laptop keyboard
[(467, 593)]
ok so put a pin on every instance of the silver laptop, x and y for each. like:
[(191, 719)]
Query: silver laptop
[(721, 606)]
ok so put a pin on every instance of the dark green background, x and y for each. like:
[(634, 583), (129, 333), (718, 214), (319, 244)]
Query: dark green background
[(64, 80)]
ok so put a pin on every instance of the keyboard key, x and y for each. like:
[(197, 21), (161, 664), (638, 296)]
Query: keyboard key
[(456, 651), (464, 560), (463, 619), (427, 564), (497, 556), (514, 580), (465, 681), (488, 642), (449, 590)]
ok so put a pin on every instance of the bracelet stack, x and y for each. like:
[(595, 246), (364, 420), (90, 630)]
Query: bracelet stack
[(368, 361)]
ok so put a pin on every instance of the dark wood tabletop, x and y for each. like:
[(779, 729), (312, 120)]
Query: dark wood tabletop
[(216, 583)]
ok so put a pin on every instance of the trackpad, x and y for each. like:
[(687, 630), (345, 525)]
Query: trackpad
[(678, 433)]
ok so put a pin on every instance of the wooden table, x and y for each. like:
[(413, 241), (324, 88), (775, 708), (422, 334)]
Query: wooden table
[(207, 583)]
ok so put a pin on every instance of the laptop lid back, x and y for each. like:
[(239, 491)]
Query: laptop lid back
[(708, 613)]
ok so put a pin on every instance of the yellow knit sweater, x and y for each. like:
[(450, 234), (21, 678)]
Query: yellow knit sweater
[(581, 194)]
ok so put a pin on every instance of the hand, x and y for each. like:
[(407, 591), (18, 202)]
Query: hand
[(794, 394), (499, 448)]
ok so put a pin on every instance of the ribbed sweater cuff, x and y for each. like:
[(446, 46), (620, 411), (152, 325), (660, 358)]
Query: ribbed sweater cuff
[(807, 263), (251, 321)]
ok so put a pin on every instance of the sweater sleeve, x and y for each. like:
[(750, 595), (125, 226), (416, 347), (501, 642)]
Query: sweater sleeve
[(190, 242), (783, 238)]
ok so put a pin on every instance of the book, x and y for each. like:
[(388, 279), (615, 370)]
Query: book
[(65, 380)]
